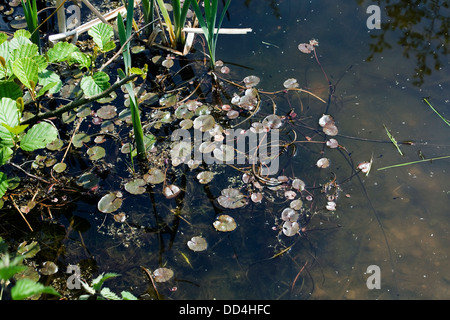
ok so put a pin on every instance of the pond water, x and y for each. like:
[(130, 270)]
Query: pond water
[(396, 219)]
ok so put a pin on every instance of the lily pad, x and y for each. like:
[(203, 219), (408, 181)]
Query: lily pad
[(251, 81), (88, 180), (136, 186), (79, 139), (110, 202), (204, 122), (107, 112), (154, 176), (323, 163), (205, 177), (290, 228), (224, 223), (162, 274), (225, 153), (49, 268), (171, 191), (232, 199), (197, 244), (289, 214), (60, 167), (96, 153)]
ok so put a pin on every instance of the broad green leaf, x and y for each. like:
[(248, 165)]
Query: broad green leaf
[(7, 272), (41, 61), (107, 293), (18, 41), (26, 70), (127, 296), (9, 115), (109, 203), (3, 184), (97, 283), (96, 84), (26, 288), (61, 51), (3, 37), (5, 155), (102, 34), (46, 88), (80, 58), (38, 136), (27, 50), (10, 89), (46, 77), (22, 33)]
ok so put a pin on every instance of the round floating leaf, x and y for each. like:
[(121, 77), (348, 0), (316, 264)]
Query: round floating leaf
[(232, 198), (60, 167), (224, 223), (88, 180), (323, 163), (162, 274), (154, 176), (251, 81), (298, 184), (107, 112), (120, 217), (96, 84), (49, 268), (205, 177), (204, 122), (55, 145), (225, 153), (289, 214), (290, 83), (273, 121), (109, 202), (96, 153), (296, 204), (136, 186), (39, 136), (290, 228), (171, 191), (79, 139), (197, 244)]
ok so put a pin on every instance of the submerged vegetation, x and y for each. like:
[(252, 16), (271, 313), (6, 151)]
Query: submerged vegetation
[(75, 118)]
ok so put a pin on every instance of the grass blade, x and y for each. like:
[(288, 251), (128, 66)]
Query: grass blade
[(413, 162), (393, 140), (443, 119)]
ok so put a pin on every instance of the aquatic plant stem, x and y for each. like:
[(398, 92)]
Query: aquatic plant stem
[(443, 119), (412, 162), (79, 102)]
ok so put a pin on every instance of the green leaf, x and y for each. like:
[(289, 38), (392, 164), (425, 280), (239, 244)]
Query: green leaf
[(8, 272), (5, 155), (10, 89), (27, 50), (80, 58), (107, 293), (9, 115), (96, 84), (26, 288), (26, 70), (17, 129), (61, 51), (127, 296), (22, 33), (98, 282), (102, 34), (3, 184), (18, 41), (38, 136), (47, 77)]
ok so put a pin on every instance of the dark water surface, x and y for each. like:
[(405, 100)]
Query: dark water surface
[(396, 219)]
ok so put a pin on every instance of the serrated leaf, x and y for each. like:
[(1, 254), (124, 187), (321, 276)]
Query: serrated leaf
[(17, 129), (127, 296), (47, 77), (10, 89), (18, 41), (7, 272), (26, 70), (80, 58), (5, 155), (61, 51), (38, 136), (102, 34), (107, 293), (98, 282), (10, 116), (28, 50), (26, 288), (96, 84)]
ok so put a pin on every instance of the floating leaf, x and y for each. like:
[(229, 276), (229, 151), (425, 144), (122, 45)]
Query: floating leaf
[(205, 177), (305, 47), (55, 145), (171, 191), (256, 197), (224, 223), (332, 143), (204, 122), (120, 217), (88, 180), (96, 153), (273, 121), (225, 153), (323, 163), (232, 198), (251, 81), (79, 139), (290, 83), (60, 167), (290, 228), (197, 244), (298, 184), (296, 204), (154, 176), (331, 206), (49, 268), (136, 186), (110, 202), (162, 274), (107, 112), (289, 214), (39, 136)]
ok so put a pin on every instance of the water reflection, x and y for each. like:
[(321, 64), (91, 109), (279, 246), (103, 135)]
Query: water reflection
[(421, 28)]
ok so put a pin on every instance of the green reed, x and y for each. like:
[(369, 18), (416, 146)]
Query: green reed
[(209, 24), (175, 27), (31, 16)]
